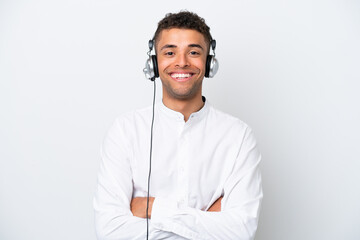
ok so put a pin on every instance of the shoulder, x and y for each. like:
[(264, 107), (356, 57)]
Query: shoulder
[(134, 116), (128, 123), (224, 119)]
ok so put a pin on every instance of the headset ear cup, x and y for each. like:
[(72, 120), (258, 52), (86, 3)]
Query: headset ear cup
[(208, 64), (155, 64)]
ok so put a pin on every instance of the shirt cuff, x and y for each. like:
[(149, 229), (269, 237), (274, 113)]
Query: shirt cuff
[(164, 217), (162, 210)]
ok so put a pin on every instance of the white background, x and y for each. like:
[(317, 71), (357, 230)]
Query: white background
[(290, 69)]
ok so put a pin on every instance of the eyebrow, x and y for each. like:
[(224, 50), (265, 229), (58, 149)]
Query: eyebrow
[(168, 46), (174, 46), (196, 45)]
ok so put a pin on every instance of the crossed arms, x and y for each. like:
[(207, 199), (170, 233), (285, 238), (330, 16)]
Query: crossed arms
[(138, 206)]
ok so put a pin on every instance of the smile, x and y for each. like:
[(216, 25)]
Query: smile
[(181, 76)]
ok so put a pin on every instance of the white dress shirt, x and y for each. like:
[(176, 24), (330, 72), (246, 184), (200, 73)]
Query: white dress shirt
[(193, 164)]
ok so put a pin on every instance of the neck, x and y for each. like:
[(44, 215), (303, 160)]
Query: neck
[(185, 106)]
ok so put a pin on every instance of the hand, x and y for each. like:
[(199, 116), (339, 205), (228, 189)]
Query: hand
[(216, 206), (138, 206)]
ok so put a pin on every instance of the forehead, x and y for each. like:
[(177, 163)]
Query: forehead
[(180, 37)]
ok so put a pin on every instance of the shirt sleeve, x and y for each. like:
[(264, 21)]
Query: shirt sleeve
[(113, 217), (240, 205)]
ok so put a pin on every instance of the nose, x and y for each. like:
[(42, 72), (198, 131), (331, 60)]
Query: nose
[(182, 61)]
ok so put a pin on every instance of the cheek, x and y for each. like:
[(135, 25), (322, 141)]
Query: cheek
[(163, 64), (199, 63)]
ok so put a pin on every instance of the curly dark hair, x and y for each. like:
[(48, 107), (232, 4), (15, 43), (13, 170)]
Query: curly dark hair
[(185, 20)]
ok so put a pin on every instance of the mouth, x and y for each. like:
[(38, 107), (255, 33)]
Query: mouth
[(181, 77)]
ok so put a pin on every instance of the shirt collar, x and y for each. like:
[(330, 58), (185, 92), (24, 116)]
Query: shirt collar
[(180, 117)]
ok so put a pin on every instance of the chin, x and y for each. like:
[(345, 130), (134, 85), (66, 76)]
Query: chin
[(181, 95)]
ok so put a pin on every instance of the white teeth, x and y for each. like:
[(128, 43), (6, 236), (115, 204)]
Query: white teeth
[(181, 75)]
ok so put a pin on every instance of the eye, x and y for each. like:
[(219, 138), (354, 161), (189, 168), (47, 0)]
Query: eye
[(194, 53), (169, 53)]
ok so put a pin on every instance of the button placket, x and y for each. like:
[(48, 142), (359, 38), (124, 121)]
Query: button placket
[(182, 170)]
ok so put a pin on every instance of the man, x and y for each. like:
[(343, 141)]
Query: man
[(205, 179)]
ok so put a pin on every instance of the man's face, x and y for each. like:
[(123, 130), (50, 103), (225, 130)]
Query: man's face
[(181, 55)]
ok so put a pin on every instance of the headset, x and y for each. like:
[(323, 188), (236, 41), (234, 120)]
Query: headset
[(151, 70)]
